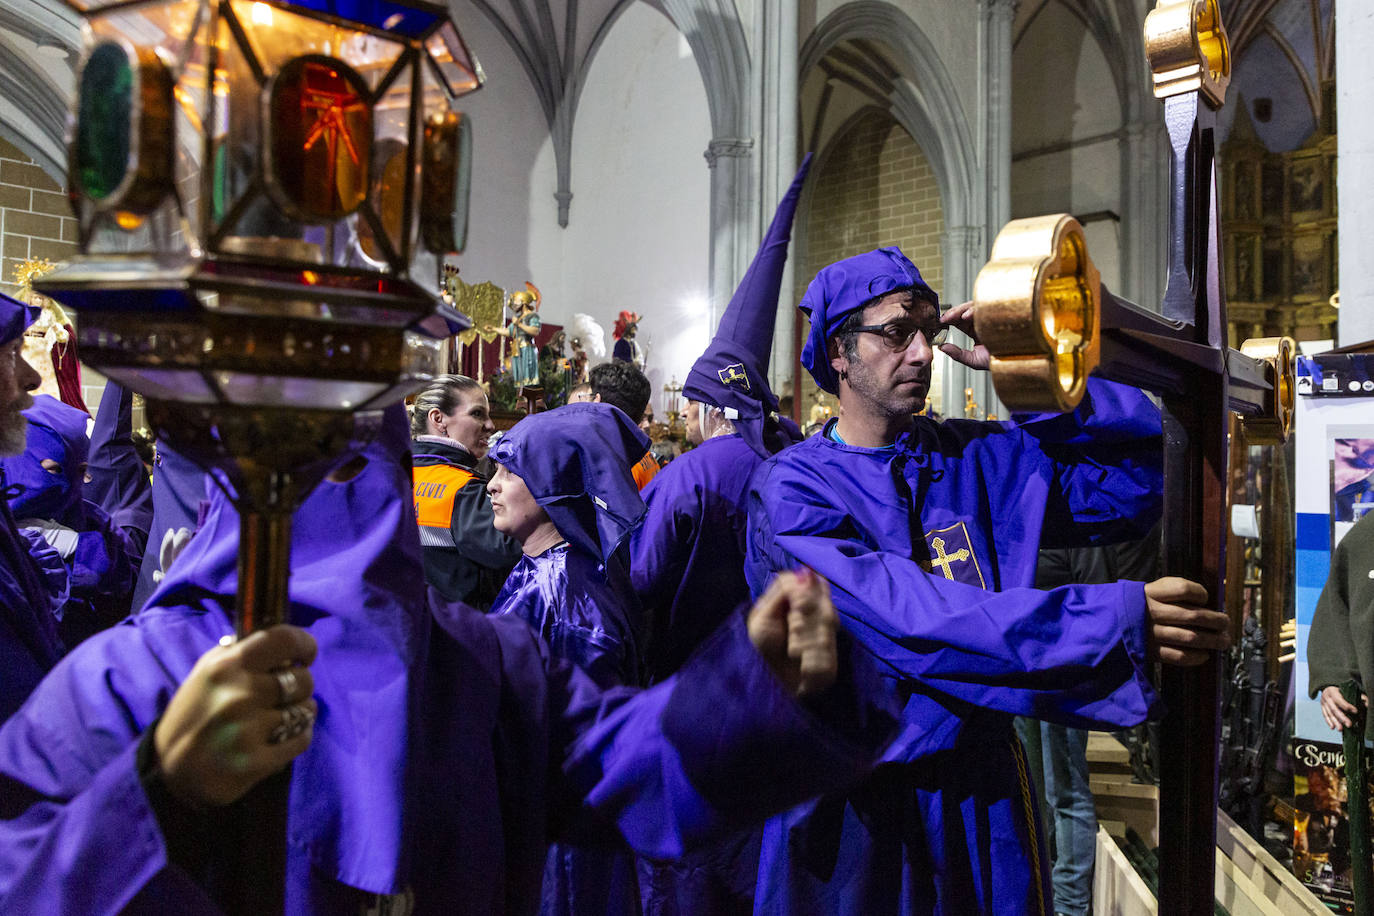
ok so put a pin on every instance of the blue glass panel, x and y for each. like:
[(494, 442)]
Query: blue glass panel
[(410, 20)]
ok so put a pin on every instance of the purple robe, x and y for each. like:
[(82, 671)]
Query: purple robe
[(687, 565), (116, 479), (577, 597), (29, 645), (687, 556), (563, 595), (946, 823), (450, 745), (29, 596), (100, 557), (178, 493)]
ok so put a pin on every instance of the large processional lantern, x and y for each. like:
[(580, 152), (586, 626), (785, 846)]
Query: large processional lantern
[(252, 182)]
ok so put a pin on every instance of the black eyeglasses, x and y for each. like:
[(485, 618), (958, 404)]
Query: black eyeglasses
[(899, 334)]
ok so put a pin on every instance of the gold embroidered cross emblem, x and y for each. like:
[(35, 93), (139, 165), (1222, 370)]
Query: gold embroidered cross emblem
[(943, 560), (734, 373)]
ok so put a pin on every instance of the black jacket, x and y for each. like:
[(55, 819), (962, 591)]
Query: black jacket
[(466, 558)]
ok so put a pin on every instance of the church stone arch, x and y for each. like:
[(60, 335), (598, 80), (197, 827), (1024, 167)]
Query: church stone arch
[(969, 166), (926, 102), (35, 103), (716, 36)]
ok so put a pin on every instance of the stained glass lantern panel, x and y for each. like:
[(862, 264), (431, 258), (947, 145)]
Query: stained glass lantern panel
[(458, 71), (446, 182), (122, 153), (319, 126), (103, 129)]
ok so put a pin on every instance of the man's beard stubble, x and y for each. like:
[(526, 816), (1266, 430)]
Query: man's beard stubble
[(884, 397), (14, 432)]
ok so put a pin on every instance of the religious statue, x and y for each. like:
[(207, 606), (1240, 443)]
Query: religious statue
[(50, 341), (521, 331), (627, 349), (588, 341)]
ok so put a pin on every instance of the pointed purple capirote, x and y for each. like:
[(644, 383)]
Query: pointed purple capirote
[(15, 316), (733, 372), (115, 477)]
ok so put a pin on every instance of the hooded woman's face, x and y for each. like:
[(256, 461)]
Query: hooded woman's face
[(514, 511)]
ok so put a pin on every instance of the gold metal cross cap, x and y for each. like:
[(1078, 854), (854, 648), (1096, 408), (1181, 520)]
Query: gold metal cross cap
[(1188, 50), (1037, 304)]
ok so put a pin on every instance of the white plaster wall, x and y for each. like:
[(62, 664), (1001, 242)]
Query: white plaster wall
[(1355, 149), (508, 132), (638, 236)]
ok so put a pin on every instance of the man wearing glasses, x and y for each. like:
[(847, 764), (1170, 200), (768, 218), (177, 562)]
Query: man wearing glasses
[(929, 532)]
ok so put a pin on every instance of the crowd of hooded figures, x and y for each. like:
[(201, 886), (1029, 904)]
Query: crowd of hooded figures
[(527, 673)]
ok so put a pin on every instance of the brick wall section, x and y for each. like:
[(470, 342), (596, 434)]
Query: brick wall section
[(35, 221), (876, 189)]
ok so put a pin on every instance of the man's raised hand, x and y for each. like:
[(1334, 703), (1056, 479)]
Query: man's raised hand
[(793, 626), (960, 317)]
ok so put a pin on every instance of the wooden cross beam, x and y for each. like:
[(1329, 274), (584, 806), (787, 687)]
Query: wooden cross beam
[(1047, 320)]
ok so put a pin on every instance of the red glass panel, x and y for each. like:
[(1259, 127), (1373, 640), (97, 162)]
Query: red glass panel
[(321, 138)]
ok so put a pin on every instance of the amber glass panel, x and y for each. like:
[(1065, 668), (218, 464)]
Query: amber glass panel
[(321, 138), (388, 199), (446, 182)]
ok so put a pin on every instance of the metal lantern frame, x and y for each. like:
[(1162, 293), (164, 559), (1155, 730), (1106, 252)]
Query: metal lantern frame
[(214, 259), (264, 355)]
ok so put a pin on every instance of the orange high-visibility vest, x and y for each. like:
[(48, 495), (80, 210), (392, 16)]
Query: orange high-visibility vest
[(436, 486), (644, 470)]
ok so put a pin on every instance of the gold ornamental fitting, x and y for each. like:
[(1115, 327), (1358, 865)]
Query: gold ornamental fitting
[(1186, 44), (1273, 426), (1036, 308)]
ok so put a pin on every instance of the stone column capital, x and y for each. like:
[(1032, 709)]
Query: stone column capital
[(999, 9), (728, 147), (963, 237)]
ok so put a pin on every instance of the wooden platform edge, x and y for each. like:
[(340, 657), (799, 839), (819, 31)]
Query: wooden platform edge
[(1117, 889), (1274, 882), (1250, 882)]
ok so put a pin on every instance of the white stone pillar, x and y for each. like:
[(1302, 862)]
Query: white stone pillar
[(775, 76), (1355, 155), (968, 251), (995, 19), (963, 253), (1145, 174), (733, 215)]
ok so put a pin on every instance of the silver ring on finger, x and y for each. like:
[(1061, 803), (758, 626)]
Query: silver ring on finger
[(287, 685), (295, 721)]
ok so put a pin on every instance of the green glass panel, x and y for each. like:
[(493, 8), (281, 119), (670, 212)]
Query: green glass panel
[(103, 125)]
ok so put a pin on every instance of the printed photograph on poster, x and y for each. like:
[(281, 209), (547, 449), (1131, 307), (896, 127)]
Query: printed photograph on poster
[(1321, 823), (1350, 451)]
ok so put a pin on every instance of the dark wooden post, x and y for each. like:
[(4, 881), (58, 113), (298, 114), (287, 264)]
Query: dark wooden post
[(1047, 320)]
